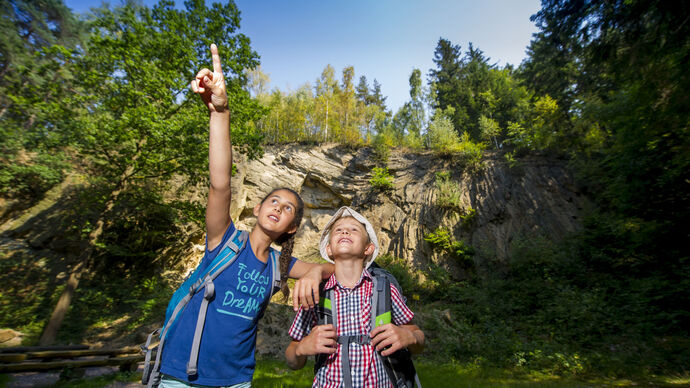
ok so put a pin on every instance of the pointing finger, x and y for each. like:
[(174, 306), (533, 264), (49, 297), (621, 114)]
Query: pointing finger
[(216, 59)]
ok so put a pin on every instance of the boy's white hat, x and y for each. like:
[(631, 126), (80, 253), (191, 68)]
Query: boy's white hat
[(342, 212)]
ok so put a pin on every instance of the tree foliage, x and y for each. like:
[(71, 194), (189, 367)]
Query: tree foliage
[(37, 39)]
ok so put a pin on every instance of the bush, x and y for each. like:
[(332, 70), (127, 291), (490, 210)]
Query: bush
[(381, 179), (448, 191), (442, 240), (468, 217), (383, 142), (441, 135), (469, 152), (32, 178)]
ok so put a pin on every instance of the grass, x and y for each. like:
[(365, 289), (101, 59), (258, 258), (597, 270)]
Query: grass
[(271, 373), (472, 376)]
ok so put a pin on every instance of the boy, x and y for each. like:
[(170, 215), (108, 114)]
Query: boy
[(349, 241)]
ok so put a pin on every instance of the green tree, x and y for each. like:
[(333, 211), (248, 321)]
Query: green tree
[(475, 88), (362, 91), (133, 117), (377, 98), (445, 80), (37, 40), (326, 91), (348, 109), (616, 69), (416, 108), (257, 82), (489, 130)]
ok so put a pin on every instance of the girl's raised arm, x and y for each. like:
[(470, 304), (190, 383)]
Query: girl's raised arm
[(210, 85)]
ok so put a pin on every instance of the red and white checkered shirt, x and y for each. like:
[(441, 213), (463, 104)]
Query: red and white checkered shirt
[(354, 316)]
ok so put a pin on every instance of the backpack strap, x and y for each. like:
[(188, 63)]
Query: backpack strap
[(274, 262), (345, 342), (326, 314), (209, 292), (381, 304), (148, 351), (227, 255), (381, 314), (274, 257)]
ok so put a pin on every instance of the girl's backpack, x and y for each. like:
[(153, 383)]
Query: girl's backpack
[(201, 278), (398, 366)]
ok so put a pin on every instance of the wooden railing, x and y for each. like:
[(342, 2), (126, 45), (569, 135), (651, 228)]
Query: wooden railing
[(25, 359)]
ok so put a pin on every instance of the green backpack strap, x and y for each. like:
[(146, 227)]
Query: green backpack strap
[(380, 302), (398, 366)]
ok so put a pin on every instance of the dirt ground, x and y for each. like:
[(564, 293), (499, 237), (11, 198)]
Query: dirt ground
[(44, 379)]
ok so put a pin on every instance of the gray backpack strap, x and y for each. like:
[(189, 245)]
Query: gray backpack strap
[(381, 314), (209, 293), (147, 350), (345, 342), (374, 302), (334, 310), (274, 258)]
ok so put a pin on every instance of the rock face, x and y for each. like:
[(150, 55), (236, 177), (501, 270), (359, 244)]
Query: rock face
[(538, 197)]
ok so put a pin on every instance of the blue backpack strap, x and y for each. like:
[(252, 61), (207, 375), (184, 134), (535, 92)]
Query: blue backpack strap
[(227, 255), (273, 261), (216, 268)]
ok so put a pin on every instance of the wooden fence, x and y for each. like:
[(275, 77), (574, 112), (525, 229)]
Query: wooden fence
[(42, 358)]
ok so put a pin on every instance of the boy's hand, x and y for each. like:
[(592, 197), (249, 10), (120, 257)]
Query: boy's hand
[(306, 291), (391, 338), (210, 85), (322, 339)]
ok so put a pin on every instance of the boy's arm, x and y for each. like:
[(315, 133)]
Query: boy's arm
[(294, 360), (210, 85), (321, 339), (306, 290)]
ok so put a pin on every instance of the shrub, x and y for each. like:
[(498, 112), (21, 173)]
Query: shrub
[(32, 178), (442, 240), (448, 191), (383, 142), (490, 130), (468, 217), (441, 135), (469, 152), (381, 179)]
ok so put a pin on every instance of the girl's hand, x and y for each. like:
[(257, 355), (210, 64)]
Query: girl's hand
[(211, 85), (322, 339), (306, 290), (389, 338)]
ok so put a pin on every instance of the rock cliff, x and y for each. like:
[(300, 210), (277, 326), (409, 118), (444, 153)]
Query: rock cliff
[(537, 197)]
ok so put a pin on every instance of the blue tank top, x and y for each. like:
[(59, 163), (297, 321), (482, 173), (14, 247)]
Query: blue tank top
[(226, 355)]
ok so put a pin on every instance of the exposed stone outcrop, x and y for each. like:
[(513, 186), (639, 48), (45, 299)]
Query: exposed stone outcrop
[(538, 197)]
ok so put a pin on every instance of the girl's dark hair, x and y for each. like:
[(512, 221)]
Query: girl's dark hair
[(287, 240)]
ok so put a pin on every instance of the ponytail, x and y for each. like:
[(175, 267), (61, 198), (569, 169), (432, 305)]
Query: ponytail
[(284, 262)]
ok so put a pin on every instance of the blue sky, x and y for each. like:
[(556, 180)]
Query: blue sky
[(382, 39)]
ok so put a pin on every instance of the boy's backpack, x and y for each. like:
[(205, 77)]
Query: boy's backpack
[(201, 278), (398, 366)]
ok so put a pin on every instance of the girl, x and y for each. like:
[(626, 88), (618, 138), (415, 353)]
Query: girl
[(226, 353)]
